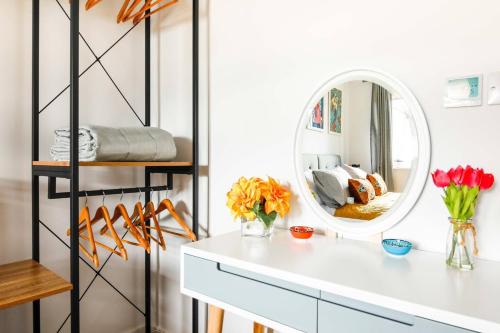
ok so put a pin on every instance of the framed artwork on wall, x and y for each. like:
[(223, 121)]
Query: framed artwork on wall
[(335, 112), (317, 122), (463, 91)]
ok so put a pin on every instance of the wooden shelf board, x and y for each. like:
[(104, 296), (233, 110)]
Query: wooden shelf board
[(27, 281), (115, 164)]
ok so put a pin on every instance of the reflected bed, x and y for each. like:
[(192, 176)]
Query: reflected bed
[(369, 211), (357, 212)]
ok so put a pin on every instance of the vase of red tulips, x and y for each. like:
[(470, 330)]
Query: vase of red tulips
[(461, 191)]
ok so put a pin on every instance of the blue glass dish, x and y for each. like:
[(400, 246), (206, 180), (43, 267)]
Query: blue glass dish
[(397, 247)]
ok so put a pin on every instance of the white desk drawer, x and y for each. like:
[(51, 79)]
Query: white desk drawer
[(277, 304), (355, 318)]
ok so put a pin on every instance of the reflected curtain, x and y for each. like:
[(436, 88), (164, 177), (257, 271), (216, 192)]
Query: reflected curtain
[(380, 134)]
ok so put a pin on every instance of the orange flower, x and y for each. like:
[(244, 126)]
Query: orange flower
[(243, 196), (277, 197)]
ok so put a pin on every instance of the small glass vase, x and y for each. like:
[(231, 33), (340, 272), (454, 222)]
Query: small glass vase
[(461, 244), (256, 228)]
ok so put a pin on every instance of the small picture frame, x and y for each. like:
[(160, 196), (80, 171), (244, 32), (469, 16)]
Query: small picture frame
[(317, 117), (463, 91), (335, 111)]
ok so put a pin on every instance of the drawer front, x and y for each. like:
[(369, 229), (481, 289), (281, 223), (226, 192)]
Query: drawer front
[(369, 308), (337, 318), (277, 304), (430, 326), (272, 281), (357, 317)]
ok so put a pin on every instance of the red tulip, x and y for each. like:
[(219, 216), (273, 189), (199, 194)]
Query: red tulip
[(440, 178), (487, 181), (456, 174), (472, 177)]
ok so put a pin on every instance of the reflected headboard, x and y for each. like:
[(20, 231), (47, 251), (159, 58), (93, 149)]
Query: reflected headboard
[(320, 161), (310, 162)]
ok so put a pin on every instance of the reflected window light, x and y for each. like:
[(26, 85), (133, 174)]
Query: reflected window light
[(404, 140)]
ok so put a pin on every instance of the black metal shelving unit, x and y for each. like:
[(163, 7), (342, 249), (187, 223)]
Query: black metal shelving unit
[(71, 170)]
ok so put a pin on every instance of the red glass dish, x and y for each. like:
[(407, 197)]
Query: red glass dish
[(302, 232)]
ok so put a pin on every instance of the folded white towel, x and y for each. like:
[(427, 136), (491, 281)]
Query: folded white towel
[(99, 143)]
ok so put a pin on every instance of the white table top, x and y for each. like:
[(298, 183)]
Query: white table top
[(418, 284)]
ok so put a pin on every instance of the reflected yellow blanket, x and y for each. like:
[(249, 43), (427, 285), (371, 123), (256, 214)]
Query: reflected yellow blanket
[(371, 210)]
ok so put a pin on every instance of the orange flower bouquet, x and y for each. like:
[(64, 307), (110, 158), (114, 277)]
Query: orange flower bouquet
[(258, 203)]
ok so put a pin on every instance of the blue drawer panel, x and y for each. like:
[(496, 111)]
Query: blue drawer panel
[(369, 308), (336, 318), (349, 316), (272, 281), (281, 305), (430, 326), (277, 304)]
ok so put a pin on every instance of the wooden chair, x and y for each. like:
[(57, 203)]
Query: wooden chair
[(216, 321)]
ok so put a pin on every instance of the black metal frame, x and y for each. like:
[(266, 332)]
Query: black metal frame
[(72, 172)]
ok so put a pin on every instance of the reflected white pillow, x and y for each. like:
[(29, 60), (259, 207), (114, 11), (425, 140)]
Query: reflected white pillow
[(343, 176), (354, 172), (308, 175)]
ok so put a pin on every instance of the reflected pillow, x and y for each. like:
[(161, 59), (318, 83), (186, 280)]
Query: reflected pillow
[(330, 188), (378, 183), (308, 175), (356, 173), (362, 190), (343, 177)]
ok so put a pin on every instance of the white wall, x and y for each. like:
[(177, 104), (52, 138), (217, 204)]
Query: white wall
[(103, 310), (279, 52), (357, 124), (400, 178)]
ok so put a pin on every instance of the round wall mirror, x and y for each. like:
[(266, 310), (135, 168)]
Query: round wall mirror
[(362, 152)]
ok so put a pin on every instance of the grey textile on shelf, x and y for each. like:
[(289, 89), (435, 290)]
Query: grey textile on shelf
[(99, 143)]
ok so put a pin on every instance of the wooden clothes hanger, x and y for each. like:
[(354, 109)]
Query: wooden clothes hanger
[(142, 14), (127, 13), (85, 219), (102, 213), (91, 3), (149, 212), (125, 10), (121, 212), (166, 204)]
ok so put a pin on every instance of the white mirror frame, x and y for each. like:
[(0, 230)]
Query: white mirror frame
[(419, 174)]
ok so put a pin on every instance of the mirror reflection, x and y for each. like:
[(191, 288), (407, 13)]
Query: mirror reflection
[(358, 149)]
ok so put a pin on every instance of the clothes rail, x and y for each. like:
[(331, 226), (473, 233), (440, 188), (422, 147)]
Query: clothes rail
[(98, 193)]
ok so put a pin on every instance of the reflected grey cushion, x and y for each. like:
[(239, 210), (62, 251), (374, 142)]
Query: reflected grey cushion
[(329, 188)]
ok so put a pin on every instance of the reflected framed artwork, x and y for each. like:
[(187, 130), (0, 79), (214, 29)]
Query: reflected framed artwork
[(316, 122), (335, 112)]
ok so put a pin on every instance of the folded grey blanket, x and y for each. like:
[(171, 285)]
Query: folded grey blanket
[(99, 143)]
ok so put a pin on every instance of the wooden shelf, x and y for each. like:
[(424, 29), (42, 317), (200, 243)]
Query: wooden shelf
[(115, 164), (27, 281)]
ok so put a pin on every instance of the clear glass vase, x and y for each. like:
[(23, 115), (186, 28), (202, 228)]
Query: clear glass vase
[(256, 228), (461, 244)]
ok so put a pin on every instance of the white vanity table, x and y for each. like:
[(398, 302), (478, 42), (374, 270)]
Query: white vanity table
[(326, 284)]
